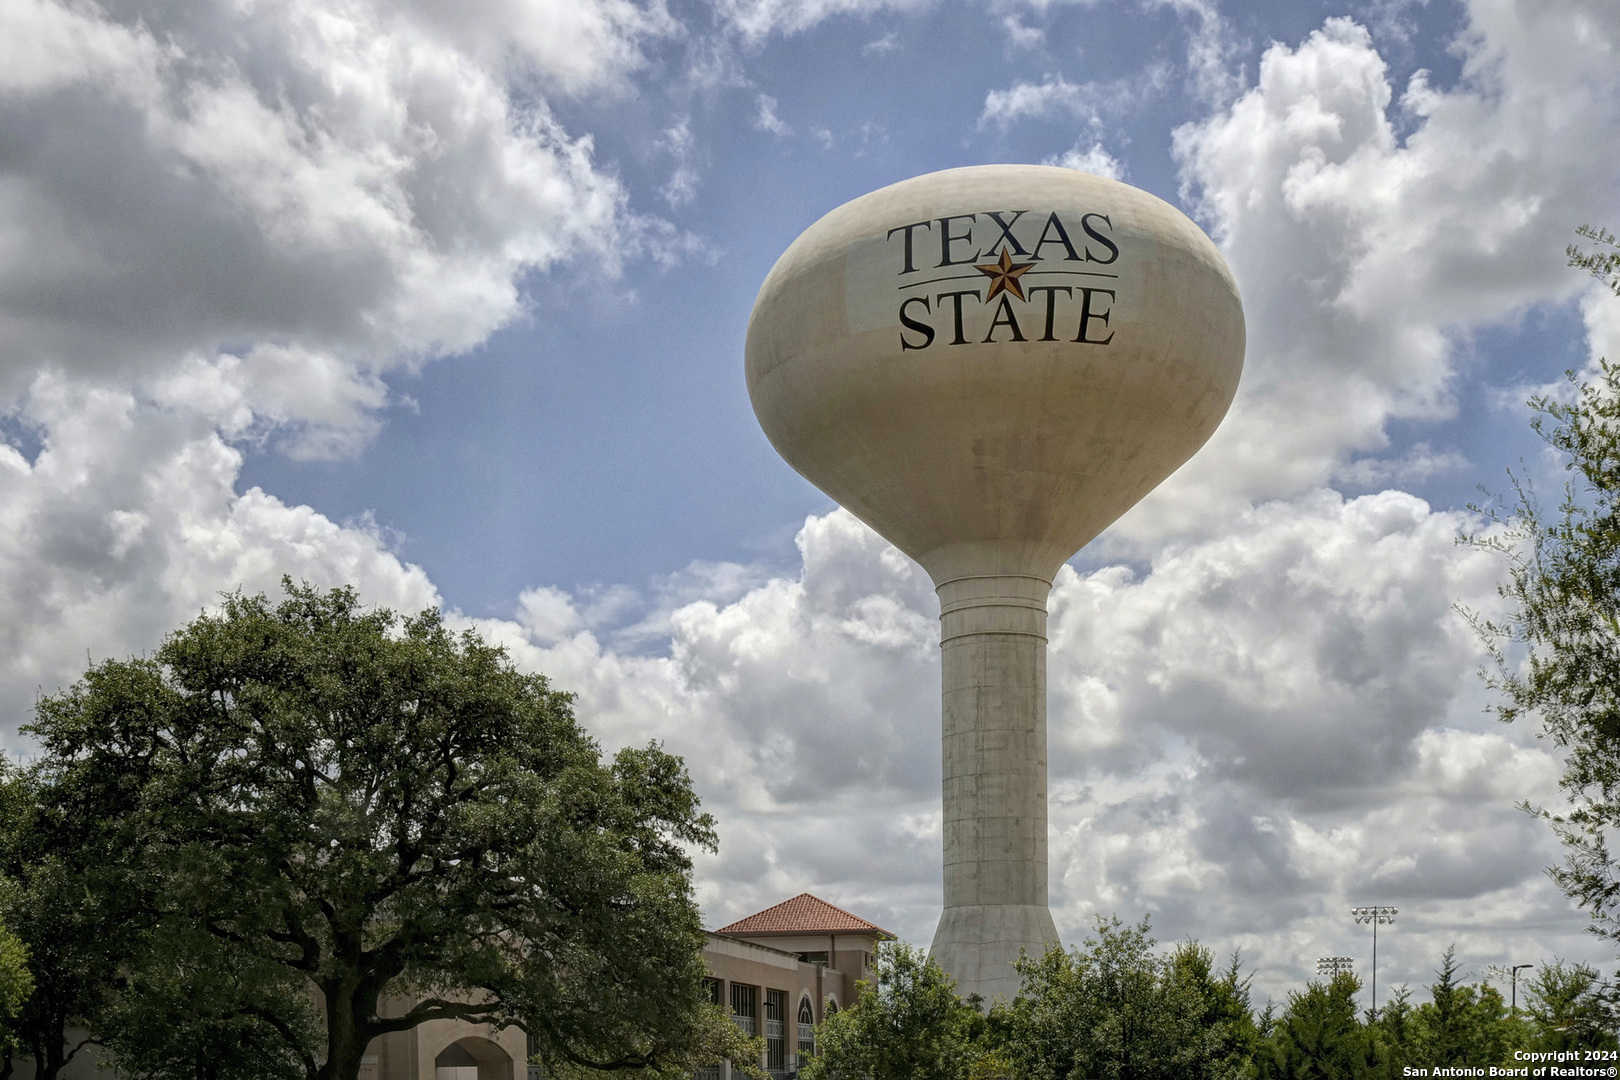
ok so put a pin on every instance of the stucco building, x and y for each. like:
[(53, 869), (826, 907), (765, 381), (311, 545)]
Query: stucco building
[(781, 970)]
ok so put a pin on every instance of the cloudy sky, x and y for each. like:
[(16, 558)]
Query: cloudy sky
[(447, 300)]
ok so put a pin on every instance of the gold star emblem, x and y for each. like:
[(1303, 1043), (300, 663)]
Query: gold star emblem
[(1004, 276)]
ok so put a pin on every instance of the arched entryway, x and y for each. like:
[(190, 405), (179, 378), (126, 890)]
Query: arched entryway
[(472, 1058)]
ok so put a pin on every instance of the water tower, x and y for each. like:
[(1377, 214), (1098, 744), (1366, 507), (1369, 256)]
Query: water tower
[(988, 366)]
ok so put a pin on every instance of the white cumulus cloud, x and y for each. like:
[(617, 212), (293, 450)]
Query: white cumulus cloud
[(335, 187), (1095, 159), (1248, 731), (1363, 256), (126, 522), (226, 223)]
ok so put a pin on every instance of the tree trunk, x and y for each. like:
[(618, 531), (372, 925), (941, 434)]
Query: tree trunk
[(348, 1031), (48, 1046), (48, 1064), (47, 1055), (343, 1047)]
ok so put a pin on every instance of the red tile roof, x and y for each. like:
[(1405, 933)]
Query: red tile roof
[(804, 914)]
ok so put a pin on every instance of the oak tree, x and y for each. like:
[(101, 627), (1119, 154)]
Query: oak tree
[(318, 806)]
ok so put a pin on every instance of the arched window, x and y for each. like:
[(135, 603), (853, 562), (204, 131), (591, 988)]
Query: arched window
[(807, 1029)]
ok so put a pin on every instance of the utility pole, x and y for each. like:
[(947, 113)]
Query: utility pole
[(1375, 914), (1513, 979)]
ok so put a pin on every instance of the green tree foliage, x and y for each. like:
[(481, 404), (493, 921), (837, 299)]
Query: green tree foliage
[(1393, 1033), (309, 806), (1462, 1024), (1115, 1009), (1568, 1008), (16, 987), (1225, 1031), (1603, 265), (75, 920), (108, 964), (908, 1025), (1319, 1037), (192, 1006)]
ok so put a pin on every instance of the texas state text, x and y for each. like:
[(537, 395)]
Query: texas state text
[(1058, 296)]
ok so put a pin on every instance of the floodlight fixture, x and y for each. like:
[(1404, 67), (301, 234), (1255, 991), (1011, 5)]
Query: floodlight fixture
[(1332, 965), (1374, 914)]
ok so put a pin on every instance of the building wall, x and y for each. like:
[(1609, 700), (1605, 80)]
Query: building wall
[(849, 953), (771, 962), (412, 1054), (762, 969)]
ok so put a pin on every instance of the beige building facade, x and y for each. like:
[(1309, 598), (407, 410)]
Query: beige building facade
[(781, 971), (448, 1050)]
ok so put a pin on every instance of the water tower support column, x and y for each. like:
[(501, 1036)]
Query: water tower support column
[(993, 641)]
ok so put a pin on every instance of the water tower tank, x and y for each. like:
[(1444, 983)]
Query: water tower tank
[(989, 365)]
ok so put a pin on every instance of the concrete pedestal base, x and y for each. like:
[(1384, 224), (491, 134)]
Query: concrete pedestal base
[(979, 945), (993, 641)]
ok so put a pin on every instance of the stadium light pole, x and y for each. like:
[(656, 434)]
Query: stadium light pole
[(1332, 965), (1374, 914)]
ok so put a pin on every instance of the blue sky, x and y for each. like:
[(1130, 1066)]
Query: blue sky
[(618, 402), (449, 301)]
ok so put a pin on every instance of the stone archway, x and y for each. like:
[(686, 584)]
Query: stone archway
[(472, 1058)]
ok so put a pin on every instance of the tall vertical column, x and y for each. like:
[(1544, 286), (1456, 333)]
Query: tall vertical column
[(993, 640)]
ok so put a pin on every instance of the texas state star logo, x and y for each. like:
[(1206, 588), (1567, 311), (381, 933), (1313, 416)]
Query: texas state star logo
[(1038, 278)]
